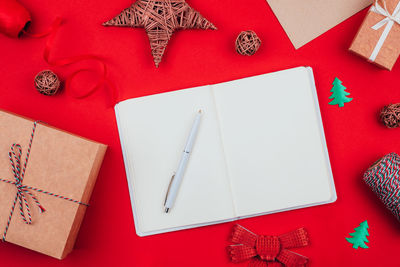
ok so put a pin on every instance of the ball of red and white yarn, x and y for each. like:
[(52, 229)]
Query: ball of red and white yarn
[(383, 177)]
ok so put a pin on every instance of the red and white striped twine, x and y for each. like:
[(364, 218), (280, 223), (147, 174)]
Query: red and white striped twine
[(15, 159), (384, 179)]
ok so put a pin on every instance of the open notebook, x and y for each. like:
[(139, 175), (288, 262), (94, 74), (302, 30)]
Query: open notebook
[(260, 149)]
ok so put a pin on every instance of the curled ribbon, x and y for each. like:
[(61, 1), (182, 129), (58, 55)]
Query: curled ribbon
[(267, 251), (19, 173), (102, 79), (389, 21), (14, 19)]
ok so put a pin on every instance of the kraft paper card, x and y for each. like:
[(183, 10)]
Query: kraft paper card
[(61, 168), (304, 21)]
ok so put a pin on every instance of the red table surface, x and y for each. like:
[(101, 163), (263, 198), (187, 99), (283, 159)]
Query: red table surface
[(194, 57)]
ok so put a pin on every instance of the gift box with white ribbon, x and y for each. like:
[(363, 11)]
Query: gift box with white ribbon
[(378, 39)]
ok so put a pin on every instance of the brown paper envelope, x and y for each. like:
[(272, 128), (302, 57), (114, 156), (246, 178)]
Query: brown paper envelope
[(304, 20), (60, 163)]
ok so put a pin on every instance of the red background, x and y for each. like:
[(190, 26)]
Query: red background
[(354, 135)]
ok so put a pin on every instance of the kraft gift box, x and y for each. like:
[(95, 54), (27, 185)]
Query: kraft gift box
[(378, 39), (58, 178)]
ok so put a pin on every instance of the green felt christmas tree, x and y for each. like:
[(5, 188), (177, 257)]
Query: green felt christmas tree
[(359, 237), (339, 94)]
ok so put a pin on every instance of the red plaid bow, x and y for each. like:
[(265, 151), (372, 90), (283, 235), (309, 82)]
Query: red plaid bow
[(267, 251)]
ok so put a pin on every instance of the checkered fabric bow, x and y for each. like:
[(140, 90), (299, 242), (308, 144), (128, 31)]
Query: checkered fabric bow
[(267, 251)]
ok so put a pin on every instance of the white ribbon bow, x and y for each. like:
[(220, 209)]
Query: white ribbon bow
[(389, 21), (395, 17)]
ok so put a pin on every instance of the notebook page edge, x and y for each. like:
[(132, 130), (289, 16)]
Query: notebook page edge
[(286, 209), (186, 227), (333, 197), (128, 174), (212, 88)]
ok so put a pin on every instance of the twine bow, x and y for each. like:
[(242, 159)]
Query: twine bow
[(15, 155), (21, 189), (267, 251)]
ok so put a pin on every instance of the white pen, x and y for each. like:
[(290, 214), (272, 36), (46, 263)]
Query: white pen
[(176, 179)]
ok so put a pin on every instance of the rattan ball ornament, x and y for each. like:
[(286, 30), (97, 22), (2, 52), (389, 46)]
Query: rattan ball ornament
[(247, 43), (47, 82), (390, 115)]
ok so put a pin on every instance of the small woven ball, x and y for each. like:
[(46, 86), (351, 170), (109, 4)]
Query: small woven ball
[(247, 43), (47, 82), (390, 115)]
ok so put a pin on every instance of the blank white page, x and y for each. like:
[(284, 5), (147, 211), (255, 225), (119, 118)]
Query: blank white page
[(153, 132), (274, 143)]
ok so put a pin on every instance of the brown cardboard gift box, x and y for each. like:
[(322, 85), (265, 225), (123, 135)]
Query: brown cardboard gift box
[(386, 35), (60, 163)]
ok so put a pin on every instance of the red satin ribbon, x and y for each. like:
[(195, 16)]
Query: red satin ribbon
[(13, 18), (102, 79), (267, 251)]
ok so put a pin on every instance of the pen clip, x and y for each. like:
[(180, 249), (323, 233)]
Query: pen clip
[(169, 187)]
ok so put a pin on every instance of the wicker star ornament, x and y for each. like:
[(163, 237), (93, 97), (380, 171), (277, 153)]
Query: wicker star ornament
[(160, 18)]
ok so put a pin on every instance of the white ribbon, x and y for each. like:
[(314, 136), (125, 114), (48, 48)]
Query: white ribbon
[(389, 21)]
